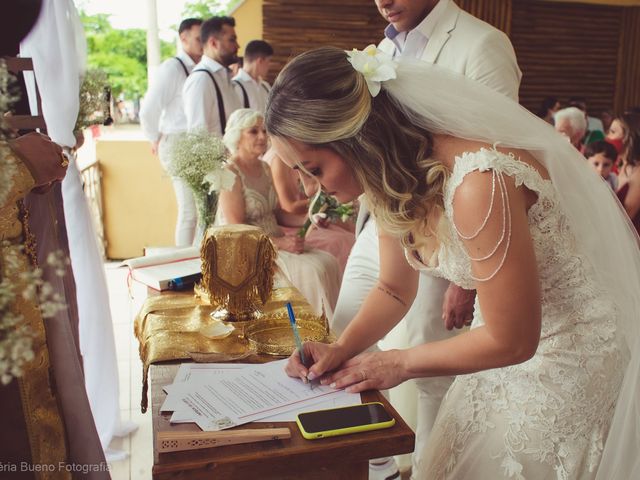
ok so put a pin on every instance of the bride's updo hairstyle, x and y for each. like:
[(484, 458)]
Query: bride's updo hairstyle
[(319, 99)]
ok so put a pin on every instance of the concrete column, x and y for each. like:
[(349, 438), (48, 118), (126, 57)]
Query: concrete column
[(153, 40)]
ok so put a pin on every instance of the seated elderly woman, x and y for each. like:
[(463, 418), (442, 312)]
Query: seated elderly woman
[(294, 191), (572, 123), (252, 200)]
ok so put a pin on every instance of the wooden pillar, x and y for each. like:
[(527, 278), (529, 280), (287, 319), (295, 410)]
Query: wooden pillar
[(495, 12), (628, 72)]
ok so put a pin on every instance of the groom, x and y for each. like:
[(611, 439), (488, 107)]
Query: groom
[(435, 31)]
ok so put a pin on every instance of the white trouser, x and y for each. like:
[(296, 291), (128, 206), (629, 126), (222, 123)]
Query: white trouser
[(423, 323), (187, 214)]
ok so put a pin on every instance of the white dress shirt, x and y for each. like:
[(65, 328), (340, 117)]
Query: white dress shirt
[(257, 91), (411, 44), (162, 110), (200, 98)]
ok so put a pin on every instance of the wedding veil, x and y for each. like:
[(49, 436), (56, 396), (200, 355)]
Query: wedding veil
[(445, 102)]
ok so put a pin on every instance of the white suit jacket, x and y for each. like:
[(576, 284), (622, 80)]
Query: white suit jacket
[(467, 45)]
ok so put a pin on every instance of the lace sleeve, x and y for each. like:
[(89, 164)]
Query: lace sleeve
[(480, 212), (488, 211)]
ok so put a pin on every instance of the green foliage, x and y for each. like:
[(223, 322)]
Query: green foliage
[(126, 75), (208, 8), (98, 23), (167, 49), (122, 54)]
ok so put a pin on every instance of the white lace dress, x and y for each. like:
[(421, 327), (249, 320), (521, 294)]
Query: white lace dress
[(546, 418), (316, 274)]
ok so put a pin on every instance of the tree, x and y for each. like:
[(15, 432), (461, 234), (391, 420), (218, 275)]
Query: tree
[(122, 54), (207, 8)]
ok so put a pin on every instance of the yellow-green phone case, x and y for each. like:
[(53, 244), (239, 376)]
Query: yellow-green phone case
[(343, 431)]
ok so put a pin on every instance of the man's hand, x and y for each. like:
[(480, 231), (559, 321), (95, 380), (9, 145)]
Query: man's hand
[(154, 147), (457, 308)]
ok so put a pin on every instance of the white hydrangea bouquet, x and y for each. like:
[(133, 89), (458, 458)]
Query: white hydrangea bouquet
[(199, 159)]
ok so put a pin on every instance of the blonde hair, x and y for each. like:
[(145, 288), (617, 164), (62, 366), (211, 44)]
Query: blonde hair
[(239, 120), (320, 100)]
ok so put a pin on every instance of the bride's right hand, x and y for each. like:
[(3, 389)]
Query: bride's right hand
[(321, 358)]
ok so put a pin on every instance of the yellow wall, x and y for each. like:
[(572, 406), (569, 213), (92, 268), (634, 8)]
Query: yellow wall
[(139, 204), (248, 16)]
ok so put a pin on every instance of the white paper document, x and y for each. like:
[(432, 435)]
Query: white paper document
[(194, 373), (219, 396)]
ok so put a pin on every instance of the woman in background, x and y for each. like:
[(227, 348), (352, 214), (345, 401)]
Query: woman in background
[(628, 125), (253, 201), (294, 193)]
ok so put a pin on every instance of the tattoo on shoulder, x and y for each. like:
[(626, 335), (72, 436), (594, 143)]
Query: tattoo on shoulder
[(392, 295)]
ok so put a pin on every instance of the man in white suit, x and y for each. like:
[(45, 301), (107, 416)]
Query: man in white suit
[(436, 31), (448, 36)]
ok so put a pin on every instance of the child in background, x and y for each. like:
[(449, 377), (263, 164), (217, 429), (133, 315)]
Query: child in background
[(615, 135), (601, 155)]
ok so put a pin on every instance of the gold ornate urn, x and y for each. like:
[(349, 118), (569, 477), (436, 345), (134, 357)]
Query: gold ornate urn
[(238, 264)]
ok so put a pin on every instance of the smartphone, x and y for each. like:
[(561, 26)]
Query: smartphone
[(344, 420)]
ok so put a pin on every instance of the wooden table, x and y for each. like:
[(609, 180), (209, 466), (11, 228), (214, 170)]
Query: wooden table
[(338, 458)]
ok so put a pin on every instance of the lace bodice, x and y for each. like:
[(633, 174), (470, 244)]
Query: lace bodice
[(559, 403), (564, 275), (260, 202)]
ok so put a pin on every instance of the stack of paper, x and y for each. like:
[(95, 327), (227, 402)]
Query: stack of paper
[(222, 395)]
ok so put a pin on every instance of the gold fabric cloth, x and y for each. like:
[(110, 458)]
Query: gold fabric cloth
[(42, 416), (168, 328)]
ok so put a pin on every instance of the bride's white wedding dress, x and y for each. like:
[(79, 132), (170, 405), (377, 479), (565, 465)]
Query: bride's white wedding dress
[(546, 418)]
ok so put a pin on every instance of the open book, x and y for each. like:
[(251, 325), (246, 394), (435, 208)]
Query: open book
[(164, 271)]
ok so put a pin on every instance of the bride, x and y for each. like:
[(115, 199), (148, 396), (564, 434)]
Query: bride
[(468, 184)]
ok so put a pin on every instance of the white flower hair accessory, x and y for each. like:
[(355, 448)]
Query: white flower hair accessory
[(376, 66)]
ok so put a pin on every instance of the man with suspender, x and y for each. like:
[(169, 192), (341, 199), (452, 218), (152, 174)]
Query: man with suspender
[(209, 96), (163, 119), (253, 89)]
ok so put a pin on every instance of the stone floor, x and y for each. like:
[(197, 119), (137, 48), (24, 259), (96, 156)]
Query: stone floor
[(138, 446)]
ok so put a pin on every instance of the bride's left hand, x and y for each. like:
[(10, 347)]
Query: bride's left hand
[(368, 371)]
